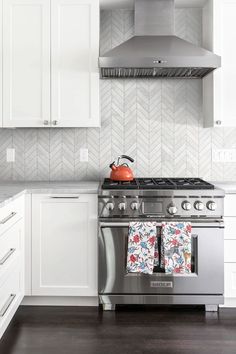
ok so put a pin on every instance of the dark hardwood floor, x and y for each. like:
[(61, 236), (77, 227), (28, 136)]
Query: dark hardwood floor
[(133, 330)]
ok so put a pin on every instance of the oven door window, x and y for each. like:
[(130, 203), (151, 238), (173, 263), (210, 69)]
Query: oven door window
[(159, 267)]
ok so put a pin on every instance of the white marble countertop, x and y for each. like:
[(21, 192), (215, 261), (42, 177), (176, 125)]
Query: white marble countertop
[(228, 187), (11, 190)]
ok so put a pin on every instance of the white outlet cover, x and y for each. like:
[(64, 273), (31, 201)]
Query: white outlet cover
[(83, 155), (10, 155)]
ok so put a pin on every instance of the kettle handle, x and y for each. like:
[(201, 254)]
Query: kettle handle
[(127, 157), (112, 164)]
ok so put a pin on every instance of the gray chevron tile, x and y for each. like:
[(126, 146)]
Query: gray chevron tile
[(43, 154), (80, 142), (30, 154), (6, 168), (155, 119), (105, 31), (68, 154), (143, 128), (117, 117), (56, 171), (19, 146), (94, 153)]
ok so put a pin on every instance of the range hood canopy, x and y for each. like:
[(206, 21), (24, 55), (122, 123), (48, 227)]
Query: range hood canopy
[(155, 51)]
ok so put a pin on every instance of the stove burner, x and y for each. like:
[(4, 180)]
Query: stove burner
[(158, 183), (109, 184)]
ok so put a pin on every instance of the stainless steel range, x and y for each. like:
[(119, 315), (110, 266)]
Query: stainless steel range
[(161, 199)]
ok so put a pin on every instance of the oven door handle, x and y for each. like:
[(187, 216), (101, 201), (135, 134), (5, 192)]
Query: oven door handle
[(213, 224), (118, 224)]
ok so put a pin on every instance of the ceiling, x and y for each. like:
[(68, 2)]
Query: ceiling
[(121, 4)]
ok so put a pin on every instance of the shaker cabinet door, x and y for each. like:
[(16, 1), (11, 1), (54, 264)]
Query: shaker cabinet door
[(64, 245), (219, 87), (75, 77), (26, 62), (1, 123)]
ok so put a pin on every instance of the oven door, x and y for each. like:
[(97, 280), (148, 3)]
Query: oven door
[(207, 275)]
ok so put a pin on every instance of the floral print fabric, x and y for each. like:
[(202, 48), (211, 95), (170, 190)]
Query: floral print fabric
[(141, 247), (144, 243), (176, 247)]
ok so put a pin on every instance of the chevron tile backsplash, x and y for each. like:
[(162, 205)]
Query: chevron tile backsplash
[(157, 122)]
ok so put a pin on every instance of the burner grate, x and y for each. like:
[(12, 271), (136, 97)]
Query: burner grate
[(191, 183), (158, 183), (110, 184), (155, 183)]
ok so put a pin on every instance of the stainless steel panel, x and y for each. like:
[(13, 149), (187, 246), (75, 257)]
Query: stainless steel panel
[(154, 17), (162, 299), (171, 56), (165, 197), (208, 278)]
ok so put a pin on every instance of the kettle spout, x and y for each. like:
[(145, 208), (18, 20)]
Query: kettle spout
[(113, 166)]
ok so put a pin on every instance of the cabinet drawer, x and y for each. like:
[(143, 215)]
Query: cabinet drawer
[(230, 280), (9, 292), (230, 205), (10, 246), (10, 214), (230, 227), (230, 251)]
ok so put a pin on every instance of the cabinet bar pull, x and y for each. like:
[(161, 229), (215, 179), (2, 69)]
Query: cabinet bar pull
[(65, 197), (3, 221), (5, 258), (7, 305)]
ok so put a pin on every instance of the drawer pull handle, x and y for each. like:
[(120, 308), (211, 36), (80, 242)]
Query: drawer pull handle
[(7, 218), (65, 197), (7, 305), (5, 258)]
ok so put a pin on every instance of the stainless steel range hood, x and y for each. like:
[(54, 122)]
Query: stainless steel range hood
[(155, 51)]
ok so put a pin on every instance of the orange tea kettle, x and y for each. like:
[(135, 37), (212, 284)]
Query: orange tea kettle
[(121, 172)]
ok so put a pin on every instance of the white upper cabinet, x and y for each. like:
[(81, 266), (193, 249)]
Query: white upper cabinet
[(219, 87), (26, 63), (50, 55), (0, 66), (75, 77)]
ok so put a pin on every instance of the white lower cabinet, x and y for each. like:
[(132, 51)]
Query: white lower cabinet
[(64, 245), (230, 251)]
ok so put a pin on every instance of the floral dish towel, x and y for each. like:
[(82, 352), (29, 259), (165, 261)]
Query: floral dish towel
[(176, 247), (141, 247)]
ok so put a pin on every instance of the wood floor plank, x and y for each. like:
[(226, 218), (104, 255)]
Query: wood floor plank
[(129, 330)]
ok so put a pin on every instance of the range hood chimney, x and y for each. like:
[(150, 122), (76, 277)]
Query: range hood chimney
[(155, 51)]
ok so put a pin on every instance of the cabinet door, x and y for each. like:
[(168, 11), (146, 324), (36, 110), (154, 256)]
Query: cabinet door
[(26, 62), (218, 87), (64, 245), (75, 50), (1, 65)]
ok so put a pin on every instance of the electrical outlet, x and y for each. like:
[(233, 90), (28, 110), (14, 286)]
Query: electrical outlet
[(83, 155), (10, 155), (224, 155)]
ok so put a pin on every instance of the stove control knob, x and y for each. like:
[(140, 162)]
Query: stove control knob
[(211, 205), (199, 205), (172, 209), (186, 205), (134, 205), (122, 206), (110, 205)]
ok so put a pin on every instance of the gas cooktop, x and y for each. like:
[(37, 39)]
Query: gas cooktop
[(158, 183)]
